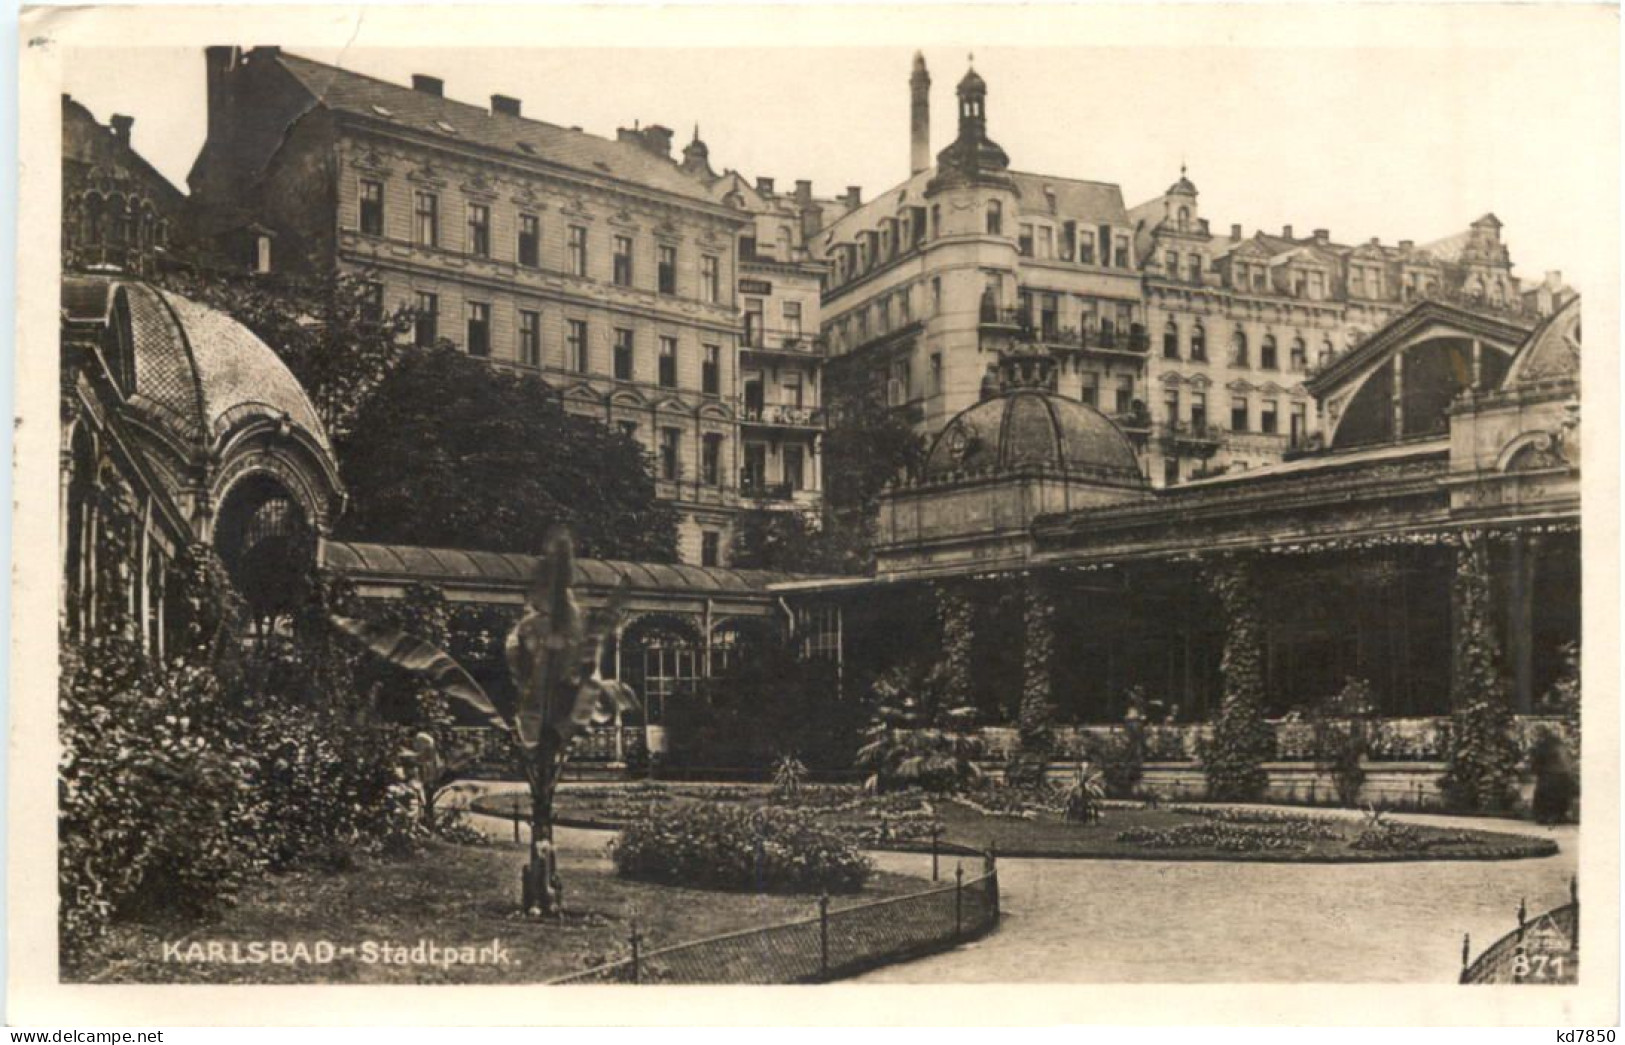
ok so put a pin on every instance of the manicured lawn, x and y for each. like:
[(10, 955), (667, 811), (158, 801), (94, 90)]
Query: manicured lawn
[(454, 896), (1126, 832)]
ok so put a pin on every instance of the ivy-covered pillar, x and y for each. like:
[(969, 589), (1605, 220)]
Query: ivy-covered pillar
[(955, 614), (1483, 758), (1242, 740), (1036, 717)]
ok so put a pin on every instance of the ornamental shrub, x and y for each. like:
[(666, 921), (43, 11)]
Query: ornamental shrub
[(155, 794), (727, 846)]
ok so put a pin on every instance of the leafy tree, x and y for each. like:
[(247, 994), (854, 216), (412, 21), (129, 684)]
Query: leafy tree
[(449, 452), (1233, 760), (328, 329), (869, 445)]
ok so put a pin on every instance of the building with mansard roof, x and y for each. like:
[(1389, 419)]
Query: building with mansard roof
[(602, 265)]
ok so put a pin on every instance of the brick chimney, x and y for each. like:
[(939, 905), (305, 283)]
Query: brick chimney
[(121, 125), (429, 85), (764, 186), (1235, 233), (1286, 231), (1323, 236), (502, 103), (1406, 244), (803, 191), (919, 116), (853, 197)]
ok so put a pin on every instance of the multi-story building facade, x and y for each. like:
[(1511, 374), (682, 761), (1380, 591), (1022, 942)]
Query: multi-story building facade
[(1197, 345), (1237, 323), (600, 265), (117, 209), (781, 347), (934, 279)]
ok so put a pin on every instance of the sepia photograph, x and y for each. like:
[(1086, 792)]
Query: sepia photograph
[(952, 508)]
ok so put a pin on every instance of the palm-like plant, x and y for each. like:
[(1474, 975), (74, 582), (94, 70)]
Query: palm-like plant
[(1085, 795), (553, 655)]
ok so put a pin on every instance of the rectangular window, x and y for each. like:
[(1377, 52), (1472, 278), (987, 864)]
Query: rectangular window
[(427, 219), (1049, 314), (711, 459), (1123, 259), (755, 323), (622, 273), (578, 250), (1024, 241), (1170, 471), (1170, 264), (372, 208), (623, 355), (792, 318), (1090, 392), (710, 548), (669, 440), (530, 241), (1198, 412), (426, 322), (1266, 418), (1170, 406), (479, 230), (575, 344), (1300, 423), (1267, 357), (1238, 414), (479, 328), (711, 371), (936, 295), (372, 303), (1086, 247), (1195, 267), (668, 362), (1125, 395), (710, 279), (754, 476), (795, 463), (530, 338), (667, 269), (1046, 241)]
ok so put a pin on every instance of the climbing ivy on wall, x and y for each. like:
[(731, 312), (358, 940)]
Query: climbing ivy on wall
[(1036, 718), (1233, 759), (955, 611), (1483, 757)]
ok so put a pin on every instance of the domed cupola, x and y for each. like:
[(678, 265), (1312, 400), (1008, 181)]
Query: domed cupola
[(1021, 453), (1023, 426), (972, 158)]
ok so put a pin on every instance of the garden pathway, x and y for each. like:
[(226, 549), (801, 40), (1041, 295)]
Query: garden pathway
[(1117, 921)]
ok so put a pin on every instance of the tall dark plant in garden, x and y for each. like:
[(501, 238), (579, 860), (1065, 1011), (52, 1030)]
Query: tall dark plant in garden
[(1233, 759), (1035, 715), (1482, 775), (553, 655)]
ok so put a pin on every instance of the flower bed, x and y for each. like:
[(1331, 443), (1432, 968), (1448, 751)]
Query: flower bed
[(730, 846)]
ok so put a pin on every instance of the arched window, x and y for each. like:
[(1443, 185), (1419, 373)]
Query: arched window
[(1170, 341), (1267, 357), (1238, 348), (1300, 354), (1199, 342), (1325, 351), (1184, 217), (995, 218)]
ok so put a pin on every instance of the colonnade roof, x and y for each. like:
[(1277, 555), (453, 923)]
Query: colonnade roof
[(502, 569)]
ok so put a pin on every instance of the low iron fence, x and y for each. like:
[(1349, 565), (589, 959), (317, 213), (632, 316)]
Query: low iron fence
[(1545, 950), (832, 943)]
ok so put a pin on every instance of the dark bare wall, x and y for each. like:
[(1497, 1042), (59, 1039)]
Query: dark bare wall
[(299, 196)]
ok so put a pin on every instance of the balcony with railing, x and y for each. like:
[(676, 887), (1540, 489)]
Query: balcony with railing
[(781, 342), (1191, 438), (781, 415), (1106, 341)]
